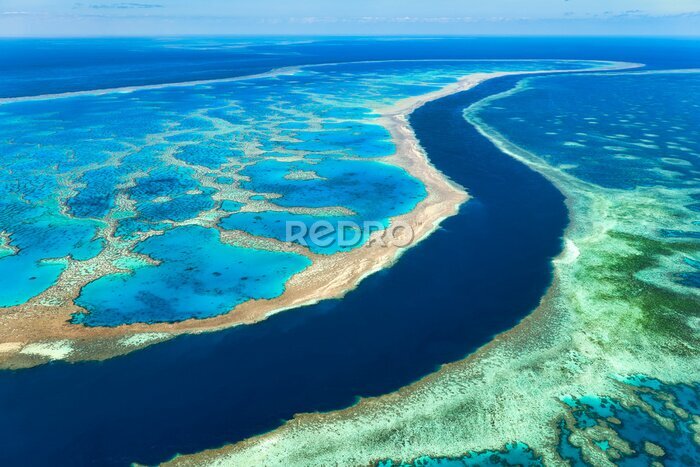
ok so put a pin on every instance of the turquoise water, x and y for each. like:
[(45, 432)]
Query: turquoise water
[(199, 276), (93, 171), (513, 454), (273, 224), (637, 425), (40, 238), (369, 189), (369, 192)]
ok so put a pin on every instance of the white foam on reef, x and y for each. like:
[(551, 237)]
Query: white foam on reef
[(54, 350), (136, 340), (569, 254)]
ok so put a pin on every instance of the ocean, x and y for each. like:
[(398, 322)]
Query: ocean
[(477, 276)]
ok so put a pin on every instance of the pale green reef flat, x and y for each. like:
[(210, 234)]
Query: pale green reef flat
[(615, 340)]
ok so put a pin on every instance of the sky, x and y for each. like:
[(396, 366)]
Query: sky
[(62, 18)]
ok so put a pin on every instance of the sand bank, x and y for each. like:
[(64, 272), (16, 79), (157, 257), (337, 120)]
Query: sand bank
[(41, 321)]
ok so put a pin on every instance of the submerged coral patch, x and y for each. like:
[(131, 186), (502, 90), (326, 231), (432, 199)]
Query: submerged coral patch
[(97, 178), (197, 277)]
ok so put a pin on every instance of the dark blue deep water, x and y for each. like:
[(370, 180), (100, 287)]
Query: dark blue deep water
[(477, 276), (47, 66)]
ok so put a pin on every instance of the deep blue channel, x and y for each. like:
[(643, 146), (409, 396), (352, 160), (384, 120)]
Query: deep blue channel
[(477, 276)]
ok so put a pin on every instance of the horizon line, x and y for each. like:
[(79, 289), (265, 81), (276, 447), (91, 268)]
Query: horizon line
[(352, 35)]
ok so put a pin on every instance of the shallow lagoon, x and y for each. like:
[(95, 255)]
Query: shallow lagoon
[(116, 168), (198, 276)]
